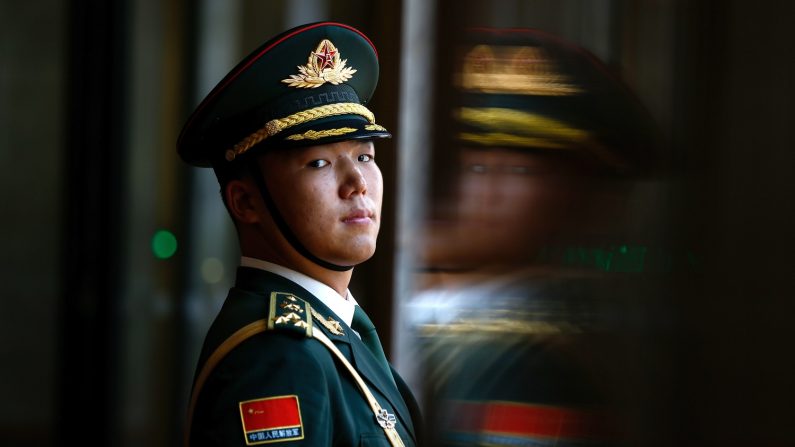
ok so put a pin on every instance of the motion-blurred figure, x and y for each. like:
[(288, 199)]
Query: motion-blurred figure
[(512, 332)]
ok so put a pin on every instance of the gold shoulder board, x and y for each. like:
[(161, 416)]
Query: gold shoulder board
[(288, 312)]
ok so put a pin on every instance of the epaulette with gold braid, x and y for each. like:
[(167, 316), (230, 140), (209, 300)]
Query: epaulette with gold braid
[(288, 312)]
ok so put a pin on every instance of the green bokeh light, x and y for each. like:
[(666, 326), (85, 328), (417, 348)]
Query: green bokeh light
[(164, 244)]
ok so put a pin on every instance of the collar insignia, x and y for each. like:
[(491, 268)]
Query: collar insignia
[(329, 323), (324, 65)]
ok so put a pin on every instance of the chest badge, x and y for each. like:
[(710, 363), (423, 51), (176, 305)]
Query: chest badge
[(385, 419)]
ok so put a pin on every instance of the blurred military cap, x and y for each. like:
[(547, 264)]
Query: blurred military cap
[(528, 89)]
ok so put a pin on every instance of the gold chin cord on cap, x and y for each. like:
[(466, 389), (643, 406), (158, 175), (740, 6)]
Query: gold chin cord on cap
[(275, 126)]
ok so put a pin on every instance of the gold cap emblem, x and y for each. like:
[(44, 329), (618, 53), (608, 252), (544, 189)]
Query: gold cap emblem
[(324, 65)]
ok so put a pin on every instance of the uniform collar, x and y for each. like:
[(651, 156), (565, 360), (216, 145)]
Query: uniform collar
[(341, 306)]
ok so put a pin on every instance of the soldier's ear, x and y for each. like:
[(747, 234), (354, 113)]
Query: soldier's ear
[(242, 199)]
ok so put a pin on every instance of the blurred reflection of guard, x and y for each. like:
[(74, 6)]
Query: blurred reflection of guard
[(291, 358), (509, 333)]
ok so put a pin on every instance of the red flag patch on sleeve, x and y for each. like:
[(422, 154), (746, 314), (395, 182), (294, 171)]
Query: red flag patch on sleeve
[(271, 419)]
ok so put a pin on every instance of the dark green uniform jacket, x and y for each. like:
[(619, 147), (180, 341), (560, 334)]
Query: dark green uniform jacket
[(277, 387)]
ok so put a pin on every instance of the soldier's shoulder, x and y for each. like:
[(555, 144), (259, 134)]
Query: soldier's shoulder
[(281, 334), (279, 317)]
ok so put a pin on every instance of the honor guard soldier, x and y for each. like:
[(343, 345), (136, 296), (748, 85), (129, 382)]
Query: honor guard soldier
[(518, 342), (291, 358)]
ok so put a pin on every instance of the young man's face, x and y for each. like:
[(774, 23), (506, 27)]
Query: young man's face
[(330, 196)]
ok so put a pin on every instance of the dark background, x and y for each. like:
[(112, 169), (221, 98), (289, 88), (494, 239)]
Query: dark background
[(100, 336)]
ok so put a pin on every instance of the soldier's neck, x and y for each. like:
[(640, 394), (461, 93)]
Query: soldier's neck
[(336, 280), (267, 244)]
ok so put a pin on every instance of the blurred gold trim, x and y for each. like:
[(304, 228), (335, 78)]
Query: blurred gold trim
[(520, 70), (499, 326), (523, 128), (504, 139)]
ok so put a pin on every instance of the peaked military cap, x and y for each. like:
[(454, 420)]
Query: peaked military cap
[(306, 86), (528, 89)]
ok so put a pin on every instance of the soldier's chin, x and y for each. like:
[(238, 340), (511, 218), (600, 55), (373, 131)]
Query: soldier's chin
[(355, 255)]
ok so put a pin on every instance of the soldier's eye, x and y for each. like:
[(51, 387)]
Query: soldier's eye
[(477, 169), (366, 157), (517, 170), (317, 163)]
